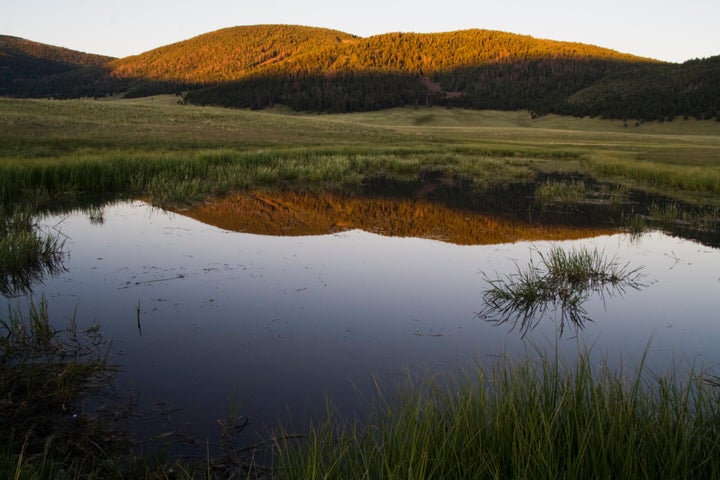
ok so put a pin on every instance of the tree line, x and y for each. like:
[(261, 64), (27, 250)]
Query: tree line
[(312, 69)]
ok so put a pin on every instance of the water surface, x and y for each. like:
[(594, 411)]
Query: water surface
[(282, 321)]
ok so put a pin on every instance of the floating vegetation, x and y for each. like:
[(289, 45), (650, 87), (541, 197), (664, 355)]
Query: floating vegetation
[(561, 281), (26, 253)]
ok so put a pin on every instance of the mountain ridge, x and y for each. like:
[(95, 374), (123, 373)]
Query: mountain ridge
[(320, 69)]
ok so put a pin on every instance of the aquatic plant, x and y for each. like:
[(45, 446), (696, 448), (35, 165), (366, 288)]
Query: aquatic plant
[(560, 192), (26, 253), (561, 281), (45, 375), (521, 418)]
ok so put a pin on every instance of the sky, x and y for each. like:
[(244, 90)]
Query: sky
[(669, 30)]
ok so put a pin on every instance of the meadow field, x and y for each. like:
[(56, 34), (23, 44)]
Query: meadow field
[(154, 147), (539, 417)]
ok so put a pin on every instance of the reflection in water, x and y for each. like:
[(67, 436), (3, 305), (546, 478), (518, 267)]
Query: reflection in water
[(564, 280), (27, 255), (295, 214), (283, 323)]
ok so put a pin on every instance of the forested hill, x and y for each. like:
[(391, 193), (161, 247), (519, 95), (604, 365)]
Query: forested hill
[(228, 54), (23, 62), (241, 52), (317, 69)]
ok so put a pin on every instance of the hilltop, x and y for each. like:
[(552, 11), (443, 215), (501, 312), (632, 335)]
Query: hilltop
[(317, 69)]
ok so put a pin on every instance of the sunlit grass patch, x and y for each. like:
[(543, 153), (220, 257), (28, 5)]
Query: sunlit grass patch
[(662, 176)]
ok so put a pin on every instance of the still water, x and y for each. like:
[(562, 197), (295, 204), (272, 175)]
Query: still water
[(279, 320)]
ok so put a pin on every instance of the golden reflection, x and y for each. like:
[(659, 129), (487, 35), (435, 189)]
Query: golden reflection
[(295, 214)]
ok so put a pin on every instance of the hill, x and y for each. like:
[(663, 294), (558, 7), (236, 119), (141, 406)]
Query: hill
[(226, 55), (24, 64), (315, 69)]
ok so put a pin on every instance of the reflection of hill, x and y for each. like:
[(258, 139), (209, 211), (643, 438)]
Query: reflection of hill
[(295, 214)]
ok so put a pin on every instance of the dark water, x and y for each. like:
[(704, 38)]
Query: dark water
[(281, 322)]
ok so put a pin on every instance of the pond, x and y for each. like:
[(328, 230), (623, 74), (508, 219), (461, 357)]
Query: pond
[(303, 297)]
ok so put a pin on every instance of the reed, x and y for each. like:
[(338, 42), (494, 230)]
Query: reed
[(559, 192), (661, 176), (541, 419), (47, 374), (26, 253)]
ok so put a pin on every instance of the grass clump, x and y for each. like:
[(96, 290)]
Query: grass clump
[(45, 375), (49, 379), (533, 419), (559, 192), (26, 254), (562, 280)]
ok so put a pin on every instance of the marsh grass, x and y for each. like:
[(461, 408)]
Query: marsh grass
[(661, 176), (560, 192), (186, 178), (45, 375), (27, 254), (48, 378), (540, 419), (53, 151), (561, 280)]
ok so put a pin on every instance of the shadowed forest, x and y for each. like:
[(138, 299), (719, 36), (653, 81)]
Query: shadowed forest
[(321, 70)]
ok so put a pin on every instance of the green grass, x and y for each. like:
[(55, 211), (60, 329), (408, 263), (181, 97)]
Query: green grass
[(562, 280), (48, 378), (536, 416), (557, 192), (45, 375), (53, 151), (26, 253), (540, 419)]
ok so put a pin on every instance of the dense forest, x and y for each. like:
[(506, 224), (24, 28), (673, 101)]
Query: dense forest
[(315, 69)]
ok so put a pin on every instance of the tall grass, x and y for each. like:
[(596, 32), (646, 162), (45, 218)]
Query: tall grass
[(661, 176), (556, 192), (45, 375), (26, 253), (187, 177), (532, 419)]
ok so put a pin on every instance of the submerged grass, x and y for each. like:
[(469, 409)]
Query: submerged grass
[(45, 375), (533, 419)]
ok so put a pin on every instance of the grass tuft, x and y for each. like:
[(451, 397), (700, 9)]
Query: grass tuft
[(26, 254), (562, 280)]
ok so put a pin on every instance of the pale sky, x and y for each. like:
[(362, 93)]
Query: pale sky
[(669, 30)]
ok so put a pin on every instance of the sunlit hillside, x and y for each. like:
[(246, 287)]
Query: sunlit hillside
[(324, 70), (240, 52), (227, 54)]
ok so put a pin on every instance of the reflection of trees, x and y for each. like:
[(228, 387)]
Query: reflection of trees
[(292, 213), (562, 282), (26, 254)]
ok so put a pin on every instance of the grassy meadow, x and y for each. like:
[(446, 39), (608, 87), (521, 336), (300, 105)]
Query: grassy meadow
[(520, 419), (52, 151)]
